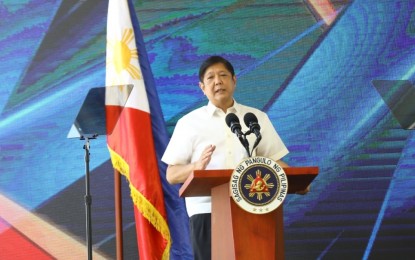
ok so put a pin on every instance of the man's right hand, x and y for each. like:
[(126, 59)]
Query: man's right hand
[(179, 173), (205, 157)]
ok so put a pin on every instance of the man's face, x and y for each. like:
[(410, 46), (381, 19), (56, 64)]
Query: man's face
[(219, 85)]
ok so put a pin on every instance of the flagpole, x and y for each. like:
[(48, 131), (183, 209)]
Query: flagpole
[(118, 215)]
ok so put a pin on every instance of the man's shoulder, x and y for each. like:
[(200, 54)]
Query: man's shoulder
[(245, 109), (194, 114)]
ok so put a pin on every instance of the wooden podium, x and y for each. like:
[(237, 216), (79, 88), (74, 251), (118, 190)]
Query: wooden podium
[(236, 233)]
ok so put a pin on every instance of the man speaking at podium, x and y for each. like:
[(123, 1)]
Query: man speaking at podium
[(211, 137)]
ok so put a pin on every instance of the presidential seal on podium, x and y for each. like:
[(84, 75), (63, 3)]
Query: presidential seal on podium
[(258, 185)]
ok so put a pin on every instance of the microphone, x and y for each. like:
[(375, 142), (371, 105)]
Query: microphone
[(233, 122), (251, 121)]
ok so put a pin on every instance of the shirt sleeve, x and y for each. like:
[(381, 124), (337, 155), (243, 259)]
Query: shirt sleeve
[(179, 149), (271, 145)]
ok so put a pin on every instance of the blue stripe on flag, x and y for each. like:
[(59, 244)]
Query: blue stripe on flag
[(175, 207)]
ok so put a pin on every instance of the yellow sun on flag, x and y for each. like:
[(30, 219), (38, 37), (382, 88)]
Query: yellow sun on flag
[(122, 57)]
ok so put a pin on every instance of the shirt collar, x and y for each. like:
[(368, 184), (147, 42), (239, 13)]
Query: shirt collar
[(211, 109)]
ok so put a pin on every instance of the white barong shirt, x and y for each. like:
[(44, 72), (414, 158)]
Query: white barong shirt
[(206, 126)]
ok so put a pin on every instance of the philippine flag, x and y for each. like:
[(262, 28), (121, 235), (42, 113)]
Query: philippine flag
[(131, 144)]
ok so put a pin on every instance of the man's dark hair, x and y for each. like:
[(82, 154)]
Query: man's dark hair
[(214, 60)]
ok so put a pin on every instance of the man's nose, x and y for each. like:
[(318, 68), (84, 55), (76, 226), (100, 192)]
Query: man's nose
[(218, 80)]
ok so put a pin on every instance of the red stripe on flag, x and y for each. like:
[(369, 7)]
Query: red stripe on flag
[(150, 242), (132, 139), (112, 115)]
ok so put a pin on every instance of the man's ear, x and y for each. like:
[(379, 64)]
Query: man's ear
[(202, 86)]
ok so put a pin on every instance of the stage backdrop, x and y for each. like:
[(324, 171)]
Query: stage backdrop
[(308, 64)]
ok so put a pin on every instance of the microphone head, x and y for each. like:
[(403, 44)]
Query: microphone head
[(251, 121), (231, 118), (233, 122)]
